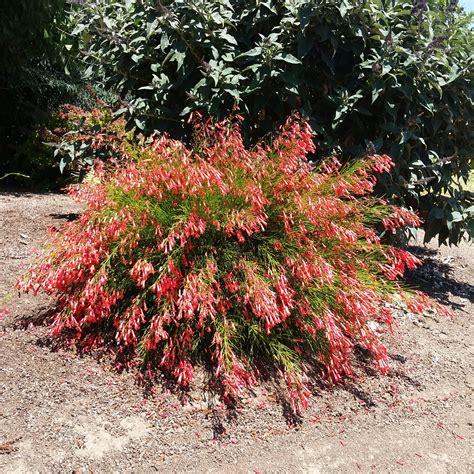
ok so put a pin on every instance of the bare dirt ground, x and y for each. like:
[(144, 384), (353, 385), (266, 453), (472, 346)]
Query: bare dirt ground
[(63, 413)]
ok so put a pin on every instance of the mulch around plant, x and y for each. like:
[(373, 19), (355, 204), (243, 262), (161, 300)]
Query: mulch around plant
[(63, 412)]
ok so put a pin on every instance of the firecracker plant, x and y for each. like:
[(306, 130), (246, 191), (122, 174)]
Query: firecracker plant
[(243, 259)]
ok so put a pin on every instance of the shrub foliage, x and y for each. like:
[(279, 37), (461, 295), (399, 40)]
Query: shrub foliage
[(397, 73), (245, 259), (81, 137), (34, 81)]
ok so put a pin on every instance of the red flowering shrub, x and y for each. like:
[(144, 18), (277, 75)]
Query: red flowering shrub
[(244, 258)]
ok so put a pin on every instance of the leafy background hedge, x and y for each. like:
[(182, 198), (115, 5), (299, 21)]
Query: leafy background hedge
[(395, 74)]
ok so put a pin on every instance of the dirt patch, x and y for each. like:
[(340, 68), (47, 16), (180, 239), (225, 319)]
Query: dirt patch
[(63, 413)]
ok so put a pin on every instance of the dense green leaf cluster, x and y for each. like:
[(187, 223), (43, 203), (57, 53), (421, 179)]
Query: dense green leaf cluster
[(375, 70)]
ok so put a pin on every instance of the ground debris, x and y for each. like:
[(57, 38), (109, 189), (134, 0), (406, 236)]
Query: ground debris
[(8, 447), (77, 414)]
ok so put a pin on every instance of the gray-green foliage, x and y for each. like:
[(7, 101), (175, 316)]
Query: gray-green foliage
[(362, 71)]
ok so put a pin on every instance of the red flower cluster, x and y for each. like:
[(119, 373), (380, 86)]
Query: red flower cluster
[(241, 256), (4, 312)]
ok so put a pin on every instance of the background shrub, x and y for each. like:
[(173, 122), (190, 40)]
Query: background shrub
[(245, 259), (80, 137), (396, 73), (38, 74)]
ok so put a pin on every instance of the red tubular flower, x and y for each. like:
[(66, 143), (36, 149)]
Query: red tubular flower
[(241, 256)]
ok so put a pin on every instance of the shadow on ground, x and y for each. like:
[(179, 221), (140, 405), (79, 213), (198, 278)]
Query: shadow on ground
[(436, 278), (69, 217)]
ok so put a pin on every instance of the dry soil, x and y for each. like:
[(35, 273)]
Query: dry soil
[(60, 412)]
